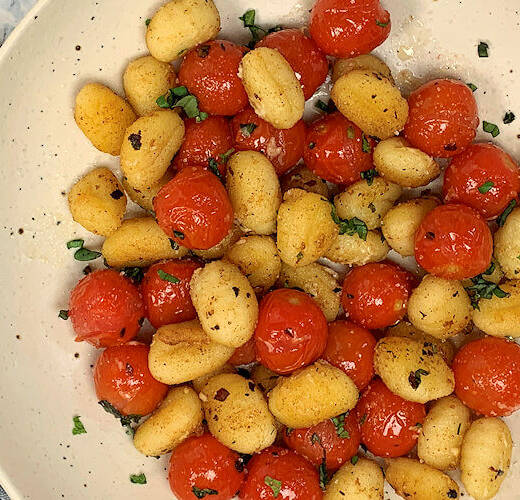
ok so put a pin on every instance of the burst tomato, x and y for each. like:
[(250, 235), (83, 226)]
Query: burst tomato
[(453, 242), (167, 302), (280, 473), (210, 72), (349, 29), (284, 148), (484, 178), (304, 56), (203, 466), (122, 378), (376, 295), (336, 441), (337, 150), (106, 309), (487, 376), (291, 331), (194, 209), (244, 354), (389, 423), (442, 118), (351, 349)]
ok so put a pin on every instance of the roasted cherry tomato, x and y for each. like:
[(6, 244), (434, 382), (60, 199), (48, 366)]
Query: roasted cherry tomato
[(301, 52), (442, 119), (351, 349), (210, 72), (376, 295), (244, 354), (335, 441), (168, 301), (106, 309), (337, 150), (453, 242), (349, 28), (291, 331), (202, 467), (204, 140), (122, 378), (389, 424), (487, 376), (283, 474), (284, 148), (484, 178), (194, 209)]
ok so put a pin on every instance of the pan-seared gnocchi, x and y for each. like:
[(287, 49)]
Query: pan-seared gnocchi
[(144, 196), (264, 378), (200, 382), (351, 250), (302, 178), (220, 249), (507, 245), (367, 62)]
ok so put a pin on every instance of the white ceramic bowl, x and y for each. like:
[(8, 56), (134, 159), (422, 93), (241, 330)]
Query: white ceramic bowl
[(45, 377)]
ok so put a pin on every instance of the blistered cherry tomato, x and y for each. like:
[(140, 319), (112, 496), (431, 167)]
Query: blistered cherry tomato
[(122, 378), (194, 209), (283, 474), (202, 467), (244, 354), (291, 331), (442, 119), (349, 28), (389, 423), (487, 376), (337, 150), (283, 147), (336, 440), (483, 177), (210, 72), (453, 242), (167, 302), (351, 348), (301, 52), (207, 139), (106, 309), (376, 295)]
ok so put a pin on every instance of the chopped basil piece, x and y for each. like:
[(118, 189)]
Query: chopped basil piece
[(288, 431), (84, 254), (126, 420), (274, 484), (482, 288), (213, 166), (136, 274), (350, 226), (246, 129), (509, 117), (174, 244), (224, 157), (78, 428), (64, 314), (415, 378), (472, 86), (299, 256), (312, 145), (486, 187), (490, 128), (354, 460), (351, 133), (365, 145), (483, 49), (138, 478), (75, 244), (202, 493), (167, 277), (322, 106), (323, 472), (315, 439), (505, 214), (147, 22), (382, 25), (179, 97), (178, 234), (257, 32), (339, 423), (369, 175), (363, 419), (203, 51)]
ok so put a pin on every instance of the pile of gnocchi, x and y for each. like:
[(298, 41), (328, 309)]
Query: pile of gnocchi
[(292, 356)]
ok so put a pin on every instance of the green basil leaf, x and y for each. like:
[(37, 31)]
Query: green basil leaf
[(382, 25), (138, 478), (246, 129), (84, 254), (505, 214), (509, 117), (75, 244), (486, 187), (472, 86), (483, 49), (365, 145), (64, 314), (78, 428), (490, 128), (274, 484), (168, 277)]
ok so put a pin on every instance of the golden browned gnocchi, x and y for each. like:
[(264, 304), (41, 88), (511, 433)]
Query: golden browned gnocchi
[(372, 102), (302, 178), (144, 80), (183, 352), (401, 222), (237, 413), (439, 307), (144, 196), (319, 281), (264, 378), (179, 416), (257, 258), (311, 395), (225, 303), (103, 117), (254, 191), (97, 202), (442, 432), (416, 481), (306, 229), (139, 242), (272, 87), (180, 25), (485, 457), (414, 370), (500, 317), (149, 146), (367, 62), (363, 480), (199, 382), (507, 245), (220, 249), (353, 251), (399, 162), (367, 202)]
